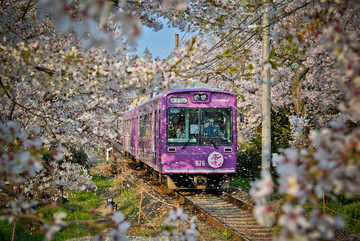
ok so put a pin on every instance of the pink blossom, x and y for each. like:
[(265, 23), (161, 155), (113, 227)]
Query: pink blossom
[(264, 214), (293, 218), (174, 218), (260, 189)]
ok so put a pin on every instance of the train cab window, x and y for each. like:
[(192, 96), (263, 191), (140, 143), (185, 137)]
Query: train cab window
[(182, 125), (200, 126), (216, 126)]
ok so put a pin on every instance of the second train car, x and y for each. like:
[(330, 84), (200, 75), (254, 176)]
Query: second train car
[(188, 137)]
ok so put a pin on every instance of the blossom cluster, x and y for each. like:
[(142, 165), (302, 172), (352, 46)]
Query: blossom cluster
[(298, 124), (306, 177), (62, 179), (330, 165), (176, 220), (83, 93), (56, 225), (19, 207), (75, 93), (19, 151)]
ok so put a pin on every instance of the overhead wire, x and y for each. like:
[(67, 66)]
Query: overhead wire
[(216, 59), (239, 44), (183, 37), (231, 31), (272, 21)]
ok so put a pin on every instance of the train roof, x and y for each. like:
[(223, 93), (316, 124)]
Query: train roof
[(188, 90), (196, 89), (163, 94)]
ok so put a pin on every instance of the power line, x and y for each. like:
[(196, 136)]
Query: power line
[(272, 21), (215, 46)]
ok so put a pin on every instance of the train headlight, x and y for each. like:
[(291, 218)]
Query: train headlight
[(200, 97), (203, 97)]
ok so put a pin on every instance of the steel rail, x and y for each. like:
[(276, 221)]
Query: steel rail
[(229, 214), (212, 219)]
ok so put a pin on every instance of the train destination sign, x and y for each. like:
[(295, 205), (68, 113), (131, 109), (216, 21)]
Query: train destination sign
[(178, 100)]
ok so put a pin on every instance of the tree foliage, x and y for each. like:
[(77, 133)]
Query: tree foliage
[(67, 71)]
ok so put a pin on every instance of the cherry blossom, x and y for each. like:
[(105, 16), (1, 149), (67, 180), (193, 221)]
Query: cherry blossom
[(293, 218), (264, 214), (120, 226), (56, 226), (263, 187), (177, 219), (75, 82), (19, 207)]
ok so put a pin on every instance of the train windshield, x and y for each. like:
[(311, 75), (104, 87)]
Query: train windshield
[(199, 126)]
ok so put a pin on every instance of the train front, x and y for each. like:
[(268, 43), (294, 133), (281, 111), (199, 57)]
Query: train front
[(201, 139)]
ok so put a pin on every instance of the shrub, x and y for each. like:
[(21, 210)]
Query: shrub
[(242, 182), (352, 212), (248, 162), (79, 156)]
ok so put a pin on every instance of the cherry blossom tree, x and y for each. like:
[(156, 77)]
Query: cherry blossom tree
[(329, 165), (72, 91), (303, 84), (66, 68)]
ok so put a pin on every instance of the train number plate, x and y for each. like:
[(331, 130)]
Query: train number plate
[(200, 163)]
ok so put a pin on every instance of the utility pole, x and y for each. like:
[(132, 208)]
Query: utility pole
[(176, 41), (266, 84)]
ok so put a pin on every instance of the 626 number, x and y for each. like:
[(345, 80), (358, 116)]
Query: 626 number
[(199, 163)]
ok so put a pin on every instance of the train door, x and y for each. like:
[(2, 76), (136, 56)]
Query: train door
[(157, 138)]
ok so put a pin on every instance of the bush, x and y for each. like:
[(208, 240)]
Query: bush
[(248, 163), (352, 212), (79, 156), (244, 183)]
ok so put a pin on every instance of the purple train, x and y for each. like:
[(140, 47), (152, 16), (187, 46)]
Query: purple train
[(187, 137)]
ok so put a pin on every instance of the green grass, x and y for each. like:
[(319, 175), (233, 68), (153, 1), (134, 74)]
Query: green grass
[(102, 183), (71, 215), (352, 212), (77, 209), (85, 199), (244, 183), (73, 231), (129, 203), (21, 234)]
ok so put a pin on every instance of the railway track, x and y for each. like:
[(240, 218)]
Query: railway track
[(228, 213)]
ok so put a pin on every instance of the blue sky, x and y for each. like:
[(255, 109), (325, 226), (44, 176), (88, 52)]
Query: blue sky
[(160, 43)]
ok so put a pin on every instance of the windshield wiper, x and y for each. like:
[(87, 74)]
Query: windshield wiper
[(212, 142), (187, 143)]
